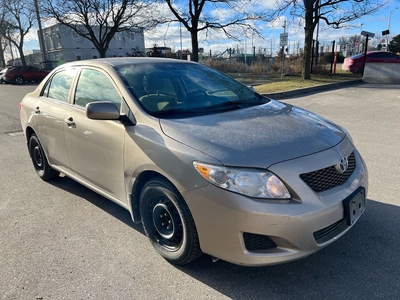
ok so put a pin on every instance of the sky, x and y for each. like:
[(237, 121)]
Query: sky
[(171, 35)]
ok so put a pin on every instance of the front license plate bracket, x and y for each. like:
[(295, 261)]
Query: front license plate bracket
[(354, 206)]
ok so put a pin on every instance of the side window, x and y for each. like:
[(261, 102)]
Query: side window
[(60, 85), (390, 55), (95, 86), (375, 55)]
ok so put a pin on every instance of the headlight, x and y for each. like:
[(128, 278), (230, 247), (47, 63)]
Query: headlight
[(249, 182)]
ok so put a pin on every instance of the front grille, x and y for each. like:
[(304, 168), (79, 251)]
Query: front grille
[(329, 232), (257, 242), (328, 178)]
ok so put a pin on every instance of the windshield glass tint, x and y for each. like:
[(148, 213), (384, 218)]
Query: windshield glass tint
[(173, 88)]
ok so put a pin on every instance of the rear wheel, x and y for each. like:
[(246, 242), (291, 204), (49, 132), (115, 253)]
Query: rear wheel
[(18, 80), (39, 160), (168, 222)]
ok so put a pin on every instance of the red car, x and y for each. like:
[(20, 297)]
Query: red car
[(21, 74), (354, 64)]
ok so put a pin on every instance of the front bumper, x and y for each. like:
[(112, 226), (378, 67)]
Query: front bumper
[(226, 221)]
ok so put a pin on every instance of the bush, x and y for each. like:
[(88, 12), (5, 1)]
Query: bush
[(271, 66)]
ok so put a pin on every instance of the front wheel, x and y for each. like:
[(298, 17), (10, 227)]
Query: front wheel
[(168, 222), (39, 160)]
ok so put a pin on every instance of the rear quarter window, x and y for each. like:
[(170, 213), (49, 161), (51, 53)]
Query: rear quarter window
[(60, 84)]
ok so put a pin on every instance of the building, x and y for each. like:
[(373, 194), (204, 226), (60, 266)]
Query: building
[(62, 44)]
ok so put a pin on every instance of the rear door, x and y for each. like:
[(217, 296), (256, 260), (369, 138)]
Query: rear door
[(49, 116), (95, 147), (33, 74)]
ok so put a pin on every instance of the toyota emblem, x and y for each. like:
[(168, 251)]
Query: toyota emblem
[(343, 164)]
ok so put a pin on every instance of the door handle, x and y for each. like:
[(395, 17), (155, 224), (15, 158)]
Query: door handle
[(37, 110), (70, 122)]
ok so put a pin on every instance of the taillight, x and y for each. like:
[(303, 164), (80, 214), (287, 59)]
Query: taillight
[(20, 106)]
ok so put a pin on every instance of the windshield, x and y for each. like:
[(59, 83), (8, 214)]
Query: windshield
[(175, 89)]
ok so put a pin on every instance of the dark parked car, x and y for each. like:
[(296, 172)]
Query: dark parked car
[(354, 64), (22, 74), (206, 164)]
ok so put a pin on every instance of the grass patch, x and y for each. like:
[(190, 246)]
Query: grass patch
[(273, 84), (265, 76)]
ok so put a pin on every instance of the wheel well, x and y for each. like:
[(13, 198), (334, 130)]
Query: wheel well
[(28, 133), (137, 190)]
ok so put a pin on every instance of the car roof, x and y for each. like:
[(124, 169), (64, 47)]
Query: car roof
[(370, 52), (377, 51), (117, 61)]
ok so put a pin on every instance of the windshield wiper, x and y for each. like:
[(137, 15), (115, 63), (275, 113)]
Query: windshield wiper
[(225, 106), (197, 110)]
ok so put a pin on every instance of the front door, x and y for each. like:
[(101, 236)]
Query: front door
[(95, 147)]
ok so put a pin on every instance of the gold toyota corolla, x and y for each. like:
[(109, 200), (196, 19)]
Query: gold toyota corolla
[(203, 162)]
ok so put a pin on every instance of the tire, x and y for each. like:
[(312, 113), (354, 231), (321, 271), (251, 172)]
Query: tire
[(168, 222), (19, 80), (39, 160)]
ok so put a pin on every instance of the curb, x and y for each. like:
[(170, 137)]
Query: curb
[(312, 89)]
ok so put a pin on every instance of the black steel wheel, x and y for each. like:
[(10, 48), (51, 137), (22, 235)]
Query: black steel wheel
[(39, 160), (168, 222)]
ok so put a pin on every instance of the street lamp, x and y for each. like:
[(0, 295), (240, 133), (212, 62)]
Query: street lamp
[(390, 15)]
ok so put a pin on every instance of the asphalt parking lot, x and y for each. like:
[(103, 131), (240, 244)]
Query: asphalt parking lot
[(59, 240)]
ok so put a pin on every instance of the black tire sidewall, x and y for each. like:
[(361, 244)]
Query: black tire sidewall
[(33, 142), (45, 172), (159, 188)]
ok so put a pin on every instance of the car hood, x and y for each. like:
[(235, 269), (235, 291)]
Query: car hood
[(258, 136)]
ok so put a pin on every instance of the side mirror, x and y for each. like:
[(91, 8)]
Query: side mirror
[(102, 110)]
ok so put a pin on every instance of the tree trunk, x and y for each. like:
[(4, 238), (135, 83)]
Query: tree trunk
[(195, 46), (2, 59), (102, 52), (21, 55), (309, 32)]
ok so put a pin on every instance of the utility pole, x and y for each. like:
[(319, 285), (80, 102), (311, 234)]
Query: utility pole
[(317, 41), (180, 33), (387, 36), (41, 38), (283, 50)]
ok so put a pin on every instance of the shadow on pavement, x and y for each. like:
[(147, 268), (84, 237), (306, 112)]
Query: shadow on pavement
[(73, 187), (363, 264)]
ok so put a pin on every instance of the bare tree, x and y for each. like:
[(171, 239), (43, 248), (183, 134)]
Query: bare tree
[(98, 20), (213, 15), (19, 19), (3, 30), (334, 13)]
